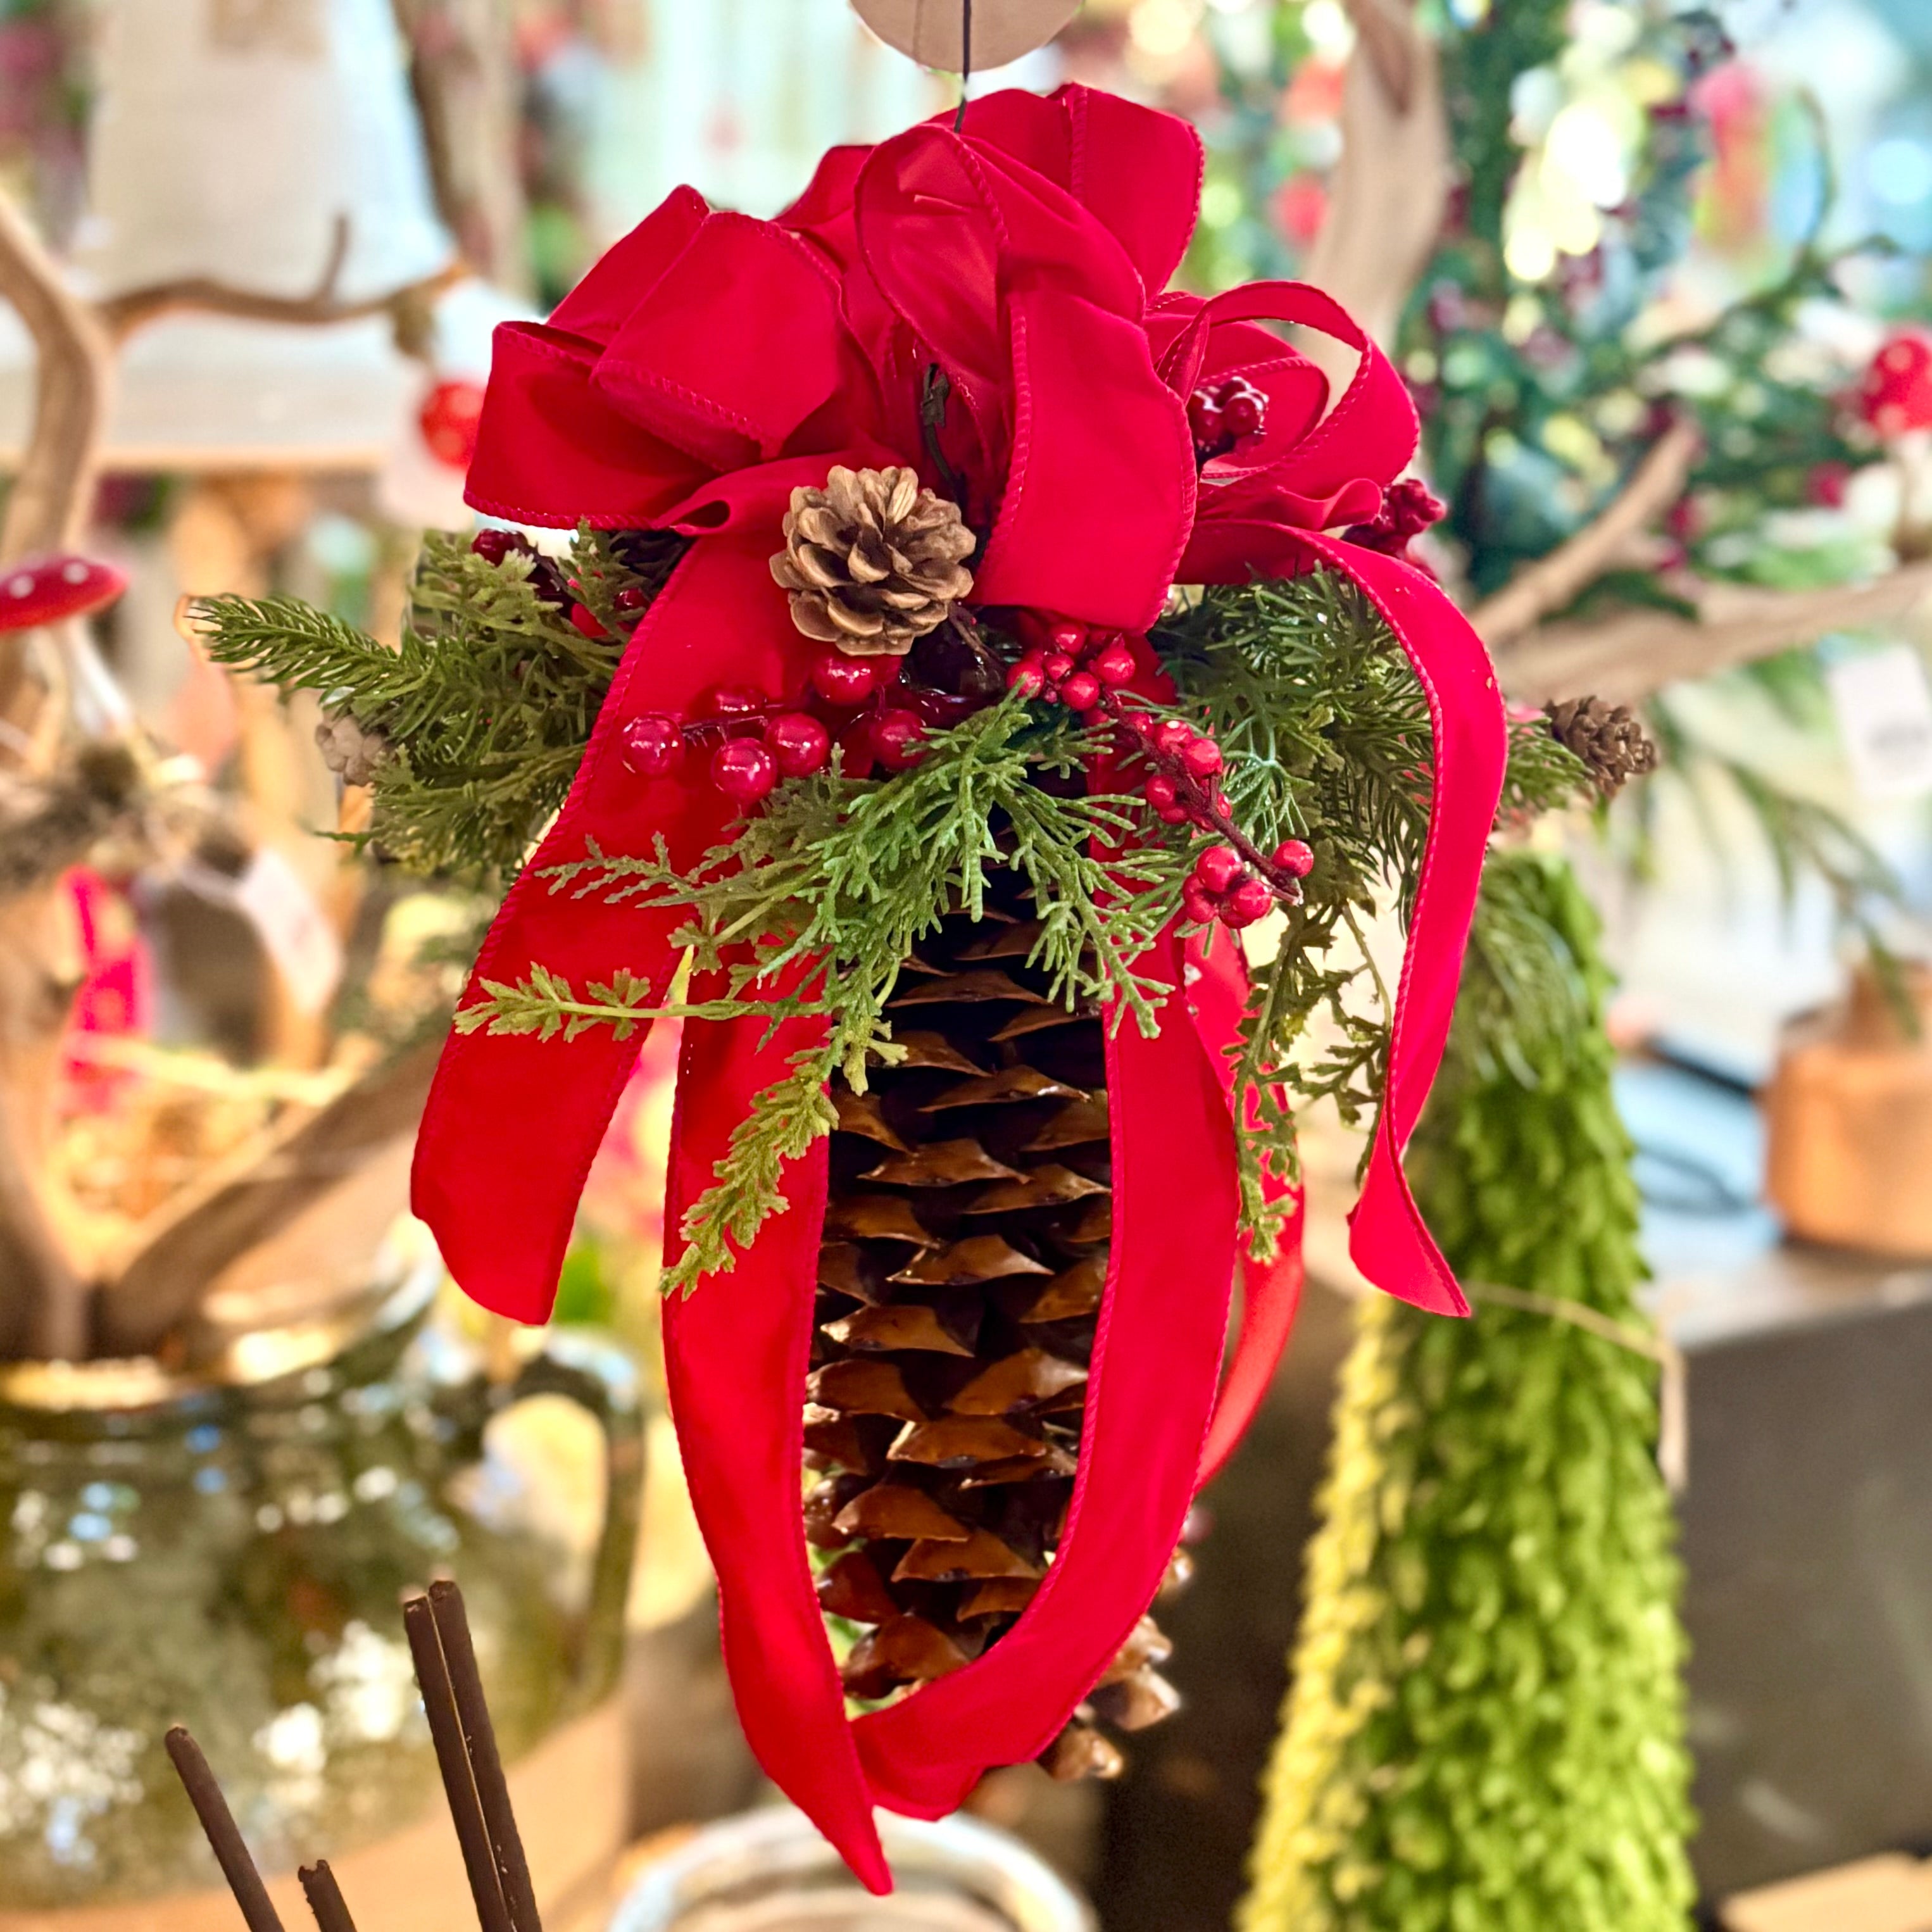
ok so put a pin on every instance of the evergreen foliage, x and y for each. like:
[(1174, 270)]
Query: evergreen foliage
[(487, 705), (1485, 1729), (810, 908)]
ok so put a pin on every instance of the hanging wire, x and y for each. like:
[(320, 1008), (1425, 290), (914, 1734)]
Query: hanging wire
[(965, 61)]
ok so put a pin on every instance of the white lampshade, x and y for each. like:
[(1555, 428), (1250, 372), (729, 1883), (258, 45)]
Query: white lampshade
[(231, 135)]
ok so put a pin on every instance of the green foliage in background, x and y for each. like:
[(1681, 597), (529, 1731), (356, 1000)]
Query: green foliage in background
[(1485, 1730)]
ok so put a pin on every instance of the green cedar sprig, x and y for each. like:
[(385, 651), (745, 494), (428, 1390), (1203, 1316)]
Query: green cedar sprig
[(1326, 734), (811, 909)]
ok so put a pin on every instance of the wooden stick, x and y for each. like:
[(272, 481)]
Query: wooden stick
[(47, 507), (224, 1836), (479, 1736), (325, 1898), (459, 1783), (1554, 580)]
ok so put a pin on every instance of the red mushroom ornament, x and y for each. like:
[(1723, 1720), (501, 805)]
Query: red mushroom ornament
[(1896, 396), (1895, 399), (54, 589)]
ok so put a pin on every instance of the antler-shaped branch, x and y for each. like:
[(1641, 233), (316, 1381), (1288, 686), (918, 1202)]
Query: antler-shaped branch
[(207, 294), (1554, 580), (1625, 659), (49, 501), (1390, 189)]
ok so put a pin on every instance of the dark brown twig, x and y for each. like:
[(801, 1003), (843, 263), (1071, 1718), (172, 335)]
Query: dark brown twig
[(486, 1766), (325, 1898), (459, 1783), (224, 1835)]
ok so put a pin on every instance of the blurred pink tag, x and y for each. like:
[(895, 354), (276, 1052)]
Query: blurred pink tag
[(931, 30)]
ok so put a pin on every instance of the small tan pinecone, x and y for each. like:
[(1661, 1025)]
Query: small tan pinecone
[(355, 755), (872, 561), (1608, 738), (967, 1231)]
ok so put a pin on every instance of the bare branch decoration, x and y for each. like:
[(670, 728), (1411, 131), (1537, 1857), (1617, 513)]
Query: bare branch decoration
[(1624, 659), (1557, 579)]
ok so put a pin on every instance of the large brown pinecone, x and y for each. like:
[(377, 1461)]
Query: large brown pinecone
[(1608, 738), (965, 1251), (872, 561)]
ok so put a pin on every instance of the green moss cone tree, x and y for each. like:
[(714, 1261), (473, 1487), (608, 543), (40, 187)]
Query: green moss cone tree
[(1485, 1729)]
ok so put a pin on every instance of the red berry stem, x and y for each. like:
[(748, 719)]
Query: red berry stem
[(1234, 882), (1205, 804)]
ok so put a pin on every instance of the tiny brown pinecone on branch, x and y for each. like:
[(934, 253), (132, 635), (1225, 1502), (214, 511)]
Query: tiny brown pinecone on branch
[(872, 561), (355, 755), (967, 1231), (1608, 738)]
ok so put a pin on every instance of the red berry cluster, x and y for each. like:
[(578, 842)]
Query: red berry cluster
[(755, 742), (1408, 508), (1222, 887), (1085, 669), (1068, 663), (1221, 414)]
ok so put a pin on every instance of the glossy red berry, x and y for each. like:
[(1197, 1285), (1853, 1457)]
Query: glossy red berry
[(1198, 906), (1244, 415), (896, 739), (632, 597), (1250, 901), (736, 701), (583, 621), (1171, 734), (1201, 756), (1067, 637), (841, 680), (1295, 858), (1204, 419), (743, 770), (1114, 665), (799, 744), (1057, 665), (1161, 791), (1027, 677), (1173, 815), (1081, 691), (494, 545), (652, 746), (1217, 869)]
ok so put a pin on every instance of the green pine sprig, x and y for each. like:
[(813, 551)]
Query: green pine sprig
[(811, 909), (487, 704)]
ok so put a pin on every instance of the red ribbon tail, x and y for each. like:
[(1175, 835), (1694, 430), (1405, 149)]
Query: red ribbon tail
[(514, 1122), (1388, 1239)]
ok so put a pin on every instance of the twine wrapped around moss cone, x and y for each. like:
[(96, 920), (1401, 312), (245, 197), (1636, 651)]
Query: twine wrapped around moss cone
[(1485, 1726), (1608, 738), (873, 561)]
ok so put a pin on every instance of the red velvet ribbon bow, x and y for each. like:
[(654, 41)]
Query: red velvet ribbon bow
[(707, 365)]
